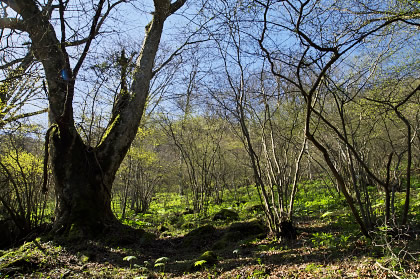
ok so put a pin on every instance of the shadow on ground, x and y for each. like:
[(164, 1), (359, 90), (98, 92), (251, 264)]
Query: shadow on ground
[(137, 254)]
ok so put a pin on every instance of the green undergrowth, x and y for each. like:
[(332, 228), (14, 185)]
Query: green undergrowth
[(179, 243), (171, 214)]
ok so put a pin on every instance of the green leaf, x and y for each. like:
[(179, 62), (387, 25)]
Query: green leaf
[(129, 258), (162, 260), (159, 264), (142, 268), (200, 263), (328, 213)]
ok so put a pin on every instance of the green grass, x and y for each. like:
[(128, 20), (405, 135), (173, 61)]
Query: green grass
[(315, 199), (329, 243), (168, 210)]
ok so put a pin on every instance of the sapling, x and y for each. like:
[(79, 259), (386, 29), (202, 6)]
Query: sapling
[(129, 259)]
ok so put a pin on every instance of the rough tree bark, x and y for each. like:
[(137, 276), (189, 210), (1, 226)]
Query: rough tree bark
[(84, 174)]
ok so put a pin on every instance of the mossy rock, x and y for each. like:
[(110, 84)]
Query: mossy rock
[(20, 265), (222, 244), (207, 259), (226, 214), (19, 261), (209, 256), (240, 231), (199, 238), (243, 230), (233, 236), (125, 235), (255, 208), (201, 231), (228, 240)]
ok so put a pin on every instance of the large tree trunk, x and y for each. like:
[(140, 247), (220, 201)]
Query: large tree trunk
[(83, 190), (84, 175)]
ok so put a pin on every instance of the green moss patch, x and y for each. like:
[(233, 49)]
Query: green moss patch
[(199, 238), (226, 214)]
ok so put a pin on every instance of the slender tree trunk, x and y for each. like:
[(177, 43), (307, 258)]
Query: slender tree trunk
[(409, 162), (387, 190), (295, 179), (331, 166), (126, 190)]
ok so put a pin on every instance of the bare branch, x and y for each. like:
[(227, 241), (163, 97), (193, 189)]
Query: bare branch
[(21, 116), (12, 23), (176, 6), (25, 63), (176, 53), (90, 38)]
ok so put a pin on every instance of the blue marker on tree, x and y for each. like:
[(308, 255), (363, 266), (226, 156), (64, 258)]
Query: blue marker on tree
[(65, 75)]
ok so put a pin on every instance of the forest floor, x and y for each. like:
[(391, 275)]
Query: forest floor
[(320, 251)]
